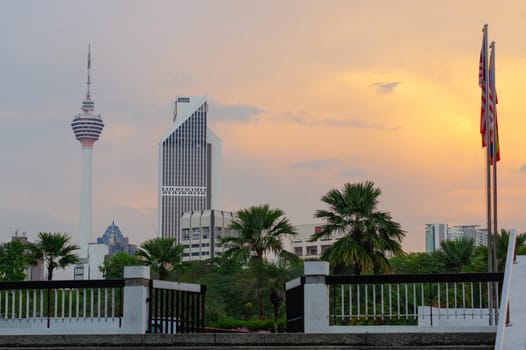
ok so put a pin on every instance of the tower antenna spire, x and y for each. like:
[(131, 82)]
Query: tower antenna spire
[(88, 94)]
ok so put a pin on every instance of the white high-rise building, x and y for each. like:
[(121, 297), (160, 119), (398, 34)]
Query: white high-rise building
[(87, 127), (435, 234), (189, 165)]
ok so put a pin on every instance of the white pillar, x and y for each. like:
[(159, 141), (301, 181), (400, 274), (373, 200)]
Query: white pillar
[(85, 203), (316, 297), (136, 294)]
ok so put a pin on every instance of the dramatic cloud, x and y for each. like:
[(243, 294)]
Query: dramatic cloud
[(304, 118), (317, 164), (385, 88), (523, 168)]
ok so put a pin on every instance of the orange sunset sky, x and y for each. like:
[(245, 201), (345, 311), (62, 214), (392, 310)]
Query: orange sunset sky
[(305, 95)]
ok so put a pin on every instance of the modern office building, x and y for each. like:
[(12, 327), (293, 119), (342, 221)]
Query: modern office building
[(87, 127), (189, 165), (116, 241), (201, 231), (435, 234), (306, 250)]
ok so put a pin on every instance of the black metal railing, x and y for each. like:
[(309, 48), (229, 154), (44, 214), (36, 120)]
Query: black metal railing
[(412, 299), (52, 300), (176, 307), (295, 308)]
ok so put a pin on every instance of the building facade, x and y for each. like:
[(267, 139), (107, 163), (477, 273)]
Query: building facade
[(435, 234), (189, 166), (201, 231), (301, 246)]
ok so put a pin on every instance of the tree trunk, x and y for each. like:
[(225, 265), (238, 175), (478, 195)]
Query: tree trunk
[(50, 272)]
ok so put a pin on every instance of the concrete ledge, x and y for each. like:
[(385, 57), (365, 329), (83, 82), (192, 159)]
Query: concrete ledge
[(249, 340)]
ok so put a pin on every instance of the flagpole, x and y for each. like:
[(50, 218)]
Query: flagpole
[(494, 156), (488, 152)]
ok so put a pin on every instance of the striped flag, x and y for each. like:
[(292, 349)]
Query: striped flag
[(494, 126), (482, 83)]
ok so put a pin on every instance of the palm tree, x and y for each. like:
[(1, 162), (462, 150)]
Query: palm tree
[(481, 253), (260, 231), (53, 250), (162, 255), (368, 234), (456, 255)]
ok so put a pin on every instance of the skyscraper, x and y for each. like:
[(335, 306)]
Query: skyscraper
[(435, 234), (189, 165), (87, 127)]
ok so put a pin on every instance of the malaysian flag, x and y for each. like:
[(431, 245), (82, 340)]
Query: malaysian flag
[(482, 83), (492, 106)]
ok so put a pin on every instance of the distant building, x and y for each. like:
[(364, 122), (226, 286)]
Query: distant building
[(306, 250), (33, 273), (463, 231), (115, 241), (435, 234), (189, 166), (201, 231)]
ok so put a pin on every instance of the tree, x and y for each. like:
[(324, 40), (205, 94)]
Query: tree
[(368, 234), (260, 230), (480, 255), (276, 276), (54, 250), (14, 261), (162, 255), (456, 255), (415, 263), (113, 268)]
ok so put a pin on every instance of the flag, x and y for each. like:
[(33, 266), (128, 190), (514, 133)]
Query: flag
[(482, 83), (494, 126)]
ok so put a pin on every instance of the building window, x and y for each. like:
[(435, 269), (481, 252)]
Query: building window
[(196, 233), (206, 233), (324, 248), (312, 250), (186, 234), (298, 251)]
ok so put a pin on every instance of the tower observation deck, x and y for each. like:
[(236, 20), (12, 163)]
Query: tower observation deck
[(87, 125)]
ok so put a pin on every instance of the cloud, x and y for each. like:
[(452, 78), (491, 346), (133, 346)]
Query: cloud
[(233, 113), (353, 173), (316, 164), (304, 118), (385, 88), (523, 168), (357, 123)]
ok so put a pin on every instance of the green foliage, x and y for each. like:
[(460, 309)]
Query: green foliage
[(369, 234), (113, 268), (456, 256), (14, 261), (162, 255), (260, 230), (415, 263), (480, 256), (54, 250)]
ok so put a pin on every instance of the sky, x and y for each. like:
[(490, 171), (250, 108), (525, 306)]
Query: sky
[(305, 95)]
